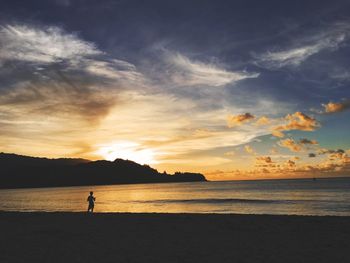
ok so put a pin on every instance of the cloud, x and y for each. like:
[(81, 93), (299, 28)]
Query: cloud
[(290, 164), (42, 45), (58, 99), (50, 46), (304, 48), (339, 154), (292, 57), (307, 141), (186, 72), (346, 159), (113, 69), (296, 121), (298, 146), (263, 121), (263, 159), (291, 145), (277, 133), (267, 168), (330, 151), (265, 163), (234, 120), (300, 121), (333, 107), (340, 74), (295, 56), (55, 72)]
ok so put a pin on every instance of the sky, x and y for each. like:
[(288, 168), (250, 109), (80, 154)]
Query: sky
[(232, 89)]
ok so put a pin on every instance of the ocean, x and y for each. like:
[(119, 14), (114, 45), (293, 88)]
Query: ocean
[(289, 197)]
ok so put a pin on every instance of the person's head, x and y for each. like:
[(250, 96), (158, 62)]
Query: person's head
[(91, 193)]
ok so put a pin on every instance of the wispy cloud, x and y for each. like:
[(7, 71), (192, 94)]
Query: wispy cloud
[(42, 45), (303, 48), (55, 72), (113, 69), (186, 72), (87, 102)]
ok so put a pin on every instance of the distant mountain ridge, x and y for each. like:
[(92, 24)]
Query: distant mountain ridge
[(18, 171)]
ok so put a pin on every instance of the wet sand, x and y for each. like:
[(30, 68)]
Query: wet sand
[(78, 237)]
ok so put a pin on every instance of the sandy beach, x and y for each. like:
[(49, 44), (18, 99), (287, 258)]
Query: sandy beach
[(78, 237)]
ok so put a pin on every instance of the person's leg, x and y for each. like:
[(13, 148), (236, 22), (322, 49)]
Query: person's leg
[(92, 209)]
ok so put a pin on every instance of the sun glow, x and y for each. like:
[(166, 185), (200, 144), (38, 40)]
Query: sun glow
[(127, 150)]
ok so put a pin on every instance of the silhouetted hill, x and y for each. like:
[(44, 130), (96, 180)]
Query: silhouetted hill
[(18, 171)]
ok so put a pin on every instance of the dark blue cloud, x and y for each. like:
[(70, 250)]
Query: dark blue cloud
[(232, 33)]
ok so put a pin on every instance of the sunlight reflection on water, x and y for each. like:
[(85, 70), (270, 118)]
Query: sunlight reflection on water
[(301, 197)]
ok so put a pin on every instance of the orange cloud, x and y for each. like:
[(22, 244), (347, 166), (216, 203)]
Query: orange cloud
[(263, 121), (346, 159), (291, 145), (277, 133), (337, 155), (288, 169), (234, 120), (290, 164), (265, 162), (296, 121), (333, 107), (297, 146), (264, 159), (328, 151)]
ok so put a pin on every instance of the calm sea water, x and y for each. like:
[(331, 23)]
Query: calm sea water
[(299, 197)]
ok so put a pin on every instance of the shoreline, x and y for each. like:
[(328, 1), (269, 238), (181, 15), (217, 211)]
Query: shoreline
[(160, 237)]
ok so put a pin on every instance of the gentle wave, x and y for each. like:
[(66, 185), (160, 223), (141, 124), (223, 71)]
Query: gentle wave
[(210, 200), (231, 200)]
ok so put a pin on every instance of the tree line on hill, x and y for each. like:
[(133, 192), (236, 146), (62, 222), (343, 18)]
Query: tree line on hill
[(19, 171)]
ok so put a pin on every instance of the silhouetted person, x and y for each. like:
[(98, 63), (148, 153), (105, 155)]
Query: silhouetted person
[(91, 199)]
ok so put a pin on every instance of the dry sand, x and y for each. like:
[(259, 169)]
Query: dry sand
[(78, 237)]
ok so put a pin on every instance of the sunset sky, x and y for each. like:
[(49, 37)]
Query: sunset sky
[(233, 89)]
